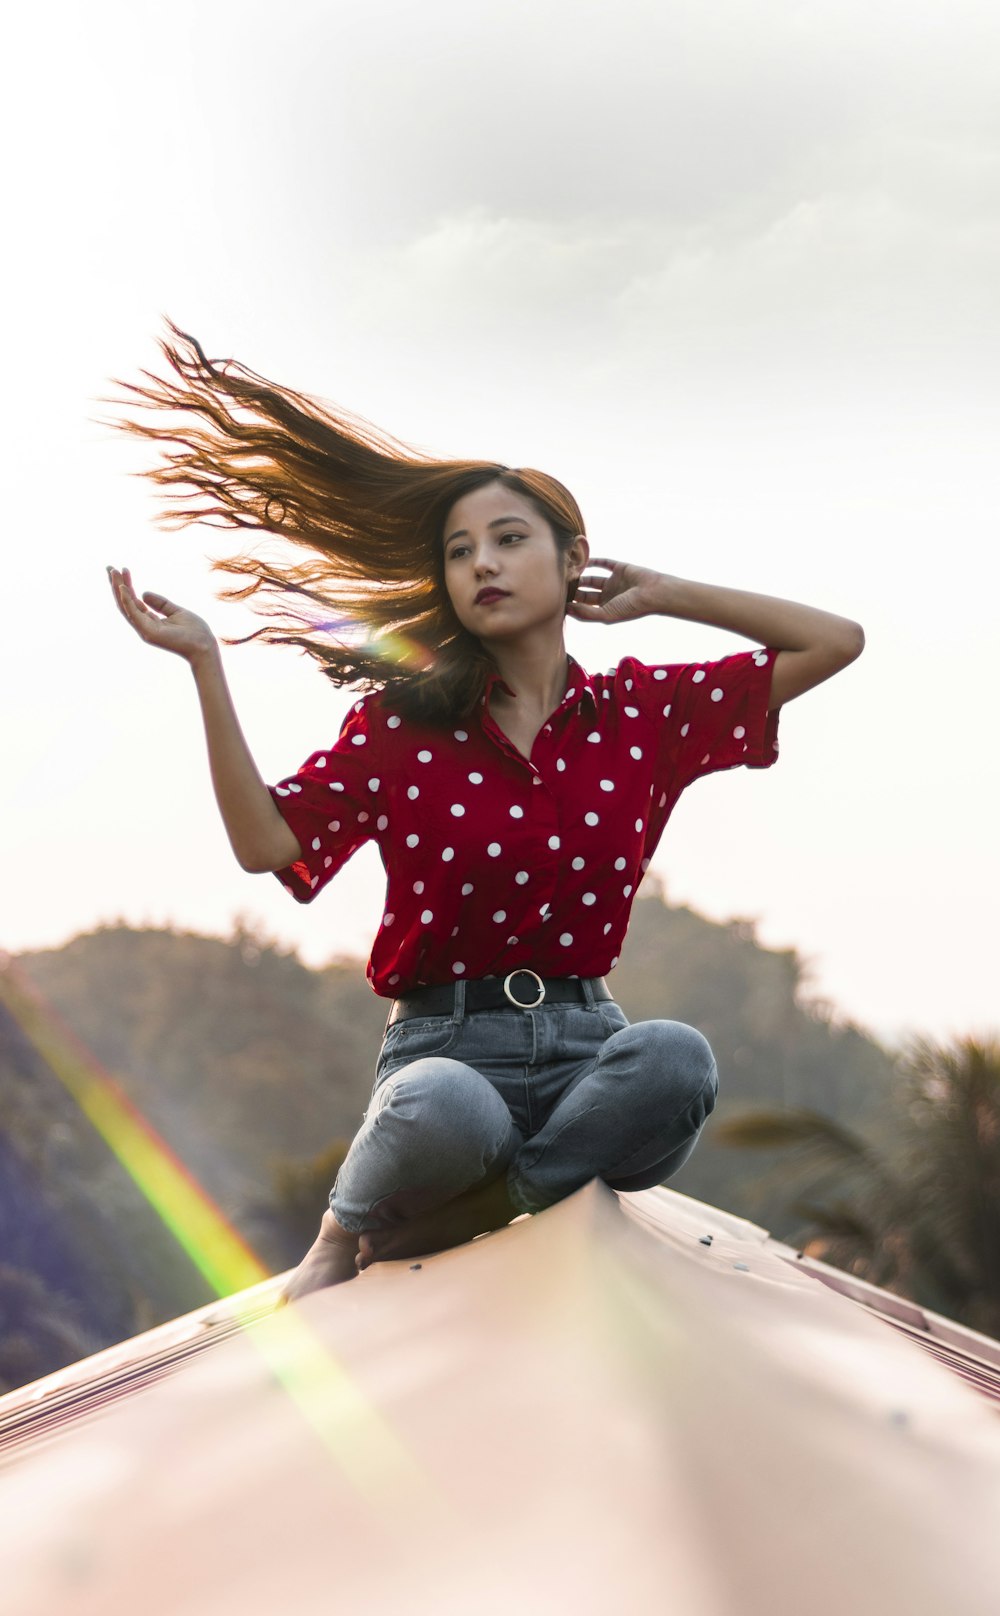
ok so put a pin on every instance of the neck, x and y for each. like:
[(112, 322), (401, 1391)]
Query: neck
[(536, 670)]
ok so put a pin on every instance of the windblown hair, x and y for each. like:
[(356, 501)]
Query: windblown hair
[(368, 510)]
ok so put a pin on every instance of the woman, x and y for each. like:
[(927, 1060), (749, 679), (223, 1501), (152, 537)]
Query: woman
[(516, 800)]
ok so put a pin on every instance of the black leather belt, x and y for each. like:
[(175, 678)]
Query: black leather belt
[(521, 989)]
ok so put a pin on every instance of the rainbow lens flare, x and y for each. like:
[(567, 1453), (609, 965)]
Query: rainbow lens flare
[(359, 1439)]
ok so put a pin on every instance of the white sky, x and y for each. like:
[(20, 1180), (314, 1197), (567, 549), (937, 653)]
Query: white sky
[(729, 271)]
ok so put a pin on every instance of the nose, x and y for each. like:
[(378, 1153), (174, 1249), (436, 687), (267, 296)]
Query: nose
[(485, 564)]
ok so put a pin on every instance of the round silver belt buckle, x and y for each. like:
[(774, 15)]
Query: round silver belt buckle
[(522, 970)]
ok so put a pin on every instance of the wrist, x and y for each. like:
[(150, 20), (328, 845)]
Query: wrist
[(205, 660), (663, 595)]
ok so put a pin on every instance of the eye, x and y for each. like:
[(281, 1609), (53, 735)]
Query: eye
[(511, 536), (457, 551)]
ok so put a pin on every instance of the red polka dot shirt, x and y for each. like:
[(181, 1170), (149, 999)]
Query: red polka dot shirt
[(494, 860)]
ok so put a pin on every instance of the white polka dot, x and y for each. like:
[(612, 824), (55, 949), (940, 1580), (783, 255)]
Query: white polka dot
[(358, 706), (512, 942), (607, 785), (412, 840), (457, 809), (644, 866), (500, 916), (334, 825), (638, 825), (516, 812), (461, 735), (666, 710), (704, 759), (607, 928), (388, 919), (326, 863), (566, 937), (358, 740), (663, 799), (467, 888), (698, 676), (393, 978), (418, 887), (476, 778), (717, 694), (561, 765), (606, 694), (594, 735), (424, 756), (447, 854), (635, 751), (739, 732), (393, 722), (614, 962), (659, 673), (591, 819), (363, 819), (628, 684), (413, 792), (321, 763), (569, 694), (458, 968), (494, 850), (578, 863), (620, 863), (382, 822), (554, 843), (314, 881), (374, 784), (317, 844), (536, 781), (544, 911), (454, 931), (521, 878), (426, 916), (336, 785), (627, 891), (589, 898), (281, 792), (685, 728), (293, 787), (760, 657)]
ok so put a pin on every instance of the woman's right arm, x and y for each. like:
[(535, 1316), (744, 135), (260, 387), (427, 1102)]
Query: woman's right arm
[(259, 836)]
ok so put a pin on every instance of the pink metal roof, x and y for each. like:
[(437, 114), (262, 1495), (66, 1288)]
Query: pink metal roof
[(634, 1402)]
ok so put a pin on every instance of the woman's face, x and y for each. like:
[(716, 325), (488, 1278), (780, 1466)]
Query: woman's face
[(502, 567)]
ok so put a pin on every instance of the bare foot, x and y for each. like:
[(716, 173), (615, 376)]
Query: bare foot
[(475, 1211), (329, 1261)]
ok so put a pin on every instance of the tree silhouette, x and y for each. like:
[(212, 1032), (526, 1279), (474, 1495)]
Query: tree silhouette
[(917, 1212)]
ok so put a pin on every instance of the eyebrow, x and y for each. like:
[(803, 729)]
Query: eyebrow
[(501, 521)]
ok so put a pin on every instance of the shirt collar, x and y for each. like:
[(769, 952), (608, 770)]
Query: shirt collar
[(578, 686)]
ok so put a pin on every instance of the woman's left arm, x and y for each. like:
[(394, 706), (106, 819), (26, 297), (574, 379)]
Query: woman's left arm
[(812, 645)]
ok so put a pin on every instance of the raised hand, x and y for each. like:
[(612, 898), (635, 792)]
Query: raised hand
[(628, 592), (159, 621)]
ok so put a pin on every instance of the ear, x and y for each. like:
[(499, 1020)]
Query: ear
[(577, 557)]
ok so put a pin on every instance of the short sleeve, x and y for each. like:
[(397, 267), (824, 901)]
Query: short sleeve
[(330, 805), (714, 715)]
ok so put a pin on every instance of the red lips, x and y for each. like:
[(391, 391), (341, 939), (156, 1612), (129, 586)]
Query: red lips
[(491, 594)]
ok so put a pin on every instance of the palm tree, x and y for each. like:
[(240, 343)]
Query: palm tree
[(918, 1214)]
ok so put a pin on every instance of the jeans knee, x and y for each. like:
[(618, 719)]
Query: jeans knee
[(679, 1058), (445, 1097)]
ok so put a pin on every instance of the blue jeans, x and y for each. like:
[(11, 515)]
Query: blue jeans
[(551, 1097)]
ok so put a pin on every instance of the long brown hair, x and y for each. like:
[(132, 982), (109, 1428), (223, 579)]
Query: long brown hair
[(368, 509)]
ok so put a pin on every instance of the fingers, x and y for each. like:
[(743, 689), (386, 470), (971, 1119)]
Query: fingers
[(134, 610)]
